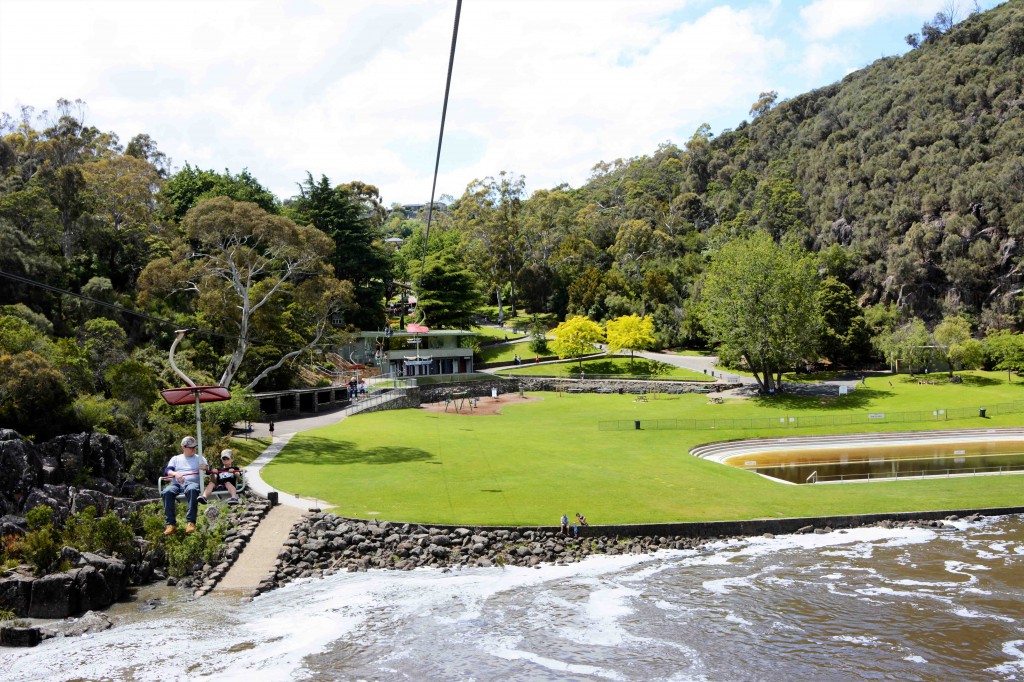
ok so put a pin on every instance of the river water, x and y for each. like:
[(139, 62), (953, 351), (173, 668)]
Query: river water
[(865, 604)]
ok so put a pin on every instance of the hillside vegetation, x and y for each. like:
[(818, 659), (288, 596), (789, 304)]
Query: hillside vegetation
[(896, 193)]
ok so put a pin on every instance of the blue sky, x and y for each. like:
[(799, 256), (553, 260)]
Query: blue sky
[(353, 90)]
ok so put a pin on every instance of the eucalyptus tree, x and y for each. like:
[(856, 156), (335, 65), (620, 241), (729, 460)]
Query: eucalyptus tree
[(489, 213), (254, 276)]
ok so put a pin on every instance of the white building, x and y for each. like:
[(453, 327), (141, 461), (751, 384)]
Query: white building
[(402, 353)]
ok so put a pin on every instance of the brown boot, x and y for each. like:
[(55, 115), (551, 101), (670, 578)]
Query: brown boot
[(190, 528), (169, 530)]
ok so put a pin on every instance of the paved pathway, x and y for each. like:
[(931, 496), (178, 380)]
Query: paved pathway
[(257, 559)]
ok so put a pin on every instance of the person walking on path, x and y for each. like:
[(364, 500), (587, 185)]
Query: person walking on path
[(184, 472)]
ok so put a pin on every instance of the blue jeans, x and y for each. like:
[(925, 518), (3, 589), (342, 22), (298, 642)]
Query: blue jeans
[(170, 495)]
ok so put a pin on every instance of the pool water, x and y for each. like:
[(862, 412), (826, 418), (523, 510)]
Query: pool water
[(904, 460)]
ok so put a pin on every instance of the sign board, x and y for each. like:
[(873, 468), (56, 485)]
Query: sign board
[(877, 415), (843, 390)]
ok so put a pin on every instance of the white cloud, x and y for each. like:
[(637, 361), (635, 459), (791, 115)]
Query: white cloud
[(354, 89), (824, 19)]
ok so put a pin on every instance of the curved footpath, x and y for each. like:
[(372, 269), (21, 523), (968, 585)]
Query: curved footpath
[(260, 565), (257, 560)]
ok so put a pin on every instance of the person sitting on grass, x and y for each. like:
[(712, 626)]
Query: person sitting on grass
[(582, 519), (224, 478), (183, 470)]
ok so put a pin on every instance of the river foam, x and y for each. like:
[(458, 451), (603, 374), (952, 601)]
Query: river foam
[(853, 599)]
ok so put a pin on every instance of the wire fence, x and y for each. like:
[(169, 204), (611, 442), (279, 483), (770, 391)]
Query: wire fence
[(809, 420), (920, 473)]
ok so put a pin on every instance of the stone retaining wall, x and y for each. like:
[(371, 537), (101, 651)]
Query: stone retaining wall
[(322, 544), (633, 386)]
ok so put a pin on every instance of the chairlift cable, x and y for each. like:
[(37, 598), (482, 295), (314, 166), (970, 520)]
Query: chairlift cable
[(440, 139)]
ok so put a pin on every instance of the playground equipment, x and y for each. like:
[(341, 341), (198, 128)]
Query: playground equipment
[(458, 398)]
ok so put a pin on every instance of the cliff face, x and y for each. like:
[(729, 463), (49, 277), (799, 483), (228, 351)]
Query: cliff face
[(68, 473)]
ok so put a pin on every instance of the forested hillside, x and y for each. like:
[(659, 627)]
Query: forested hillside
[(903, 184), (906, 178)]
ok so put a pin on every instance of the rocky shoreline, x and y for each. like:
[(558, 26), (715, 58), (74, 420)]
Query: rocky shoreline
[(323, 544)]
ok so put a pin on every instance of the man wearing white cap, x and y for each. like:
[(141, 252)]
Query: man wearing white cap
[(183, 470)]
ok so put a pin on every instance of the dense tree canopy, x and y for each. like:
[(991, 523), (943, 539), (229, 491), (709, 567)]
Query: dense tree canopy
[(886, 205), (760, 301)]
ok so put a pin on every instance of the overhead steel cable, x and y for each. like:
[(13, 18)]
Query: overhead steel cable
[(440, 139)]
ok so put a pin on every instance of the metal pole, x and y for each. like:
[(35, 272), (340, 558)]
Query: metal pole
[(199, 425)]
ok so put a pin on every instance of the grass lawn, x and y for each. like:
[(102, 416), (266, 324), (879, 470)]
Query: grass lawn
[(536, 461), (490, 333), (613, 366), (246, 450), (505, 352)]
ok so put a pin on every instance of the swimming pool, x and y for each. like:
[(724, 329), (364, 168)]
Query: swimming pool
[(832, 459)]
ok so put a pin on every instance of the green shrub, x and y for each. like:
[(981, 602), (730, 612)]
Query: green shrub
[(39, 517), (114, 536), (186, 552), (80, 530), (41, 549)]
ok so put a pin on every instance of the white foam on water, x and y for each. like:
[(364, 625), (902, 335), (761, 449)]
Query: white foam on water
[(863, 640), (964, 612), (603, 613), (907, 582), (961, 568), (727, 585), (733, 618), (1014, 649), (913, 658), (554, 664)]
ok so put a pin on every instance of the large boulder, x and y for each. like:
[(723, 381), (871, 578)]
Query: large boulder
[(21, 471), (83, 455), (16, 592), (114, 572), (54, 596), (92, 588)]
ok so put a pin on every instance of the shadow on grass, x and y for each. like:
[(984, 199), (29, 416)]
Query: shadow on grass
[(640, 367), (857, 400), (329, 451)]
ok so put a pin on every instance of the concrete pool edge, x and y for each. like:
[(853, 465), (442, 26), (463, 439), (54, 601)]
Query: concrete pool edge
[(721, 450)]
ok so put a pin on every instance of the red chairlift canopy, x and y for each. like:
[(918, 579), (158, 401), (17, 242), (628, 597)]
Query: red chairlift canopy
[(186, 395)]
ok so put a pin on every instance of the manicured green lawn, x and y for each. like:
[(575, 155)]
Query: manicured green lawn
[(489, 333), (538, 460), (506, 352), (246, 449), (614, 366)]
